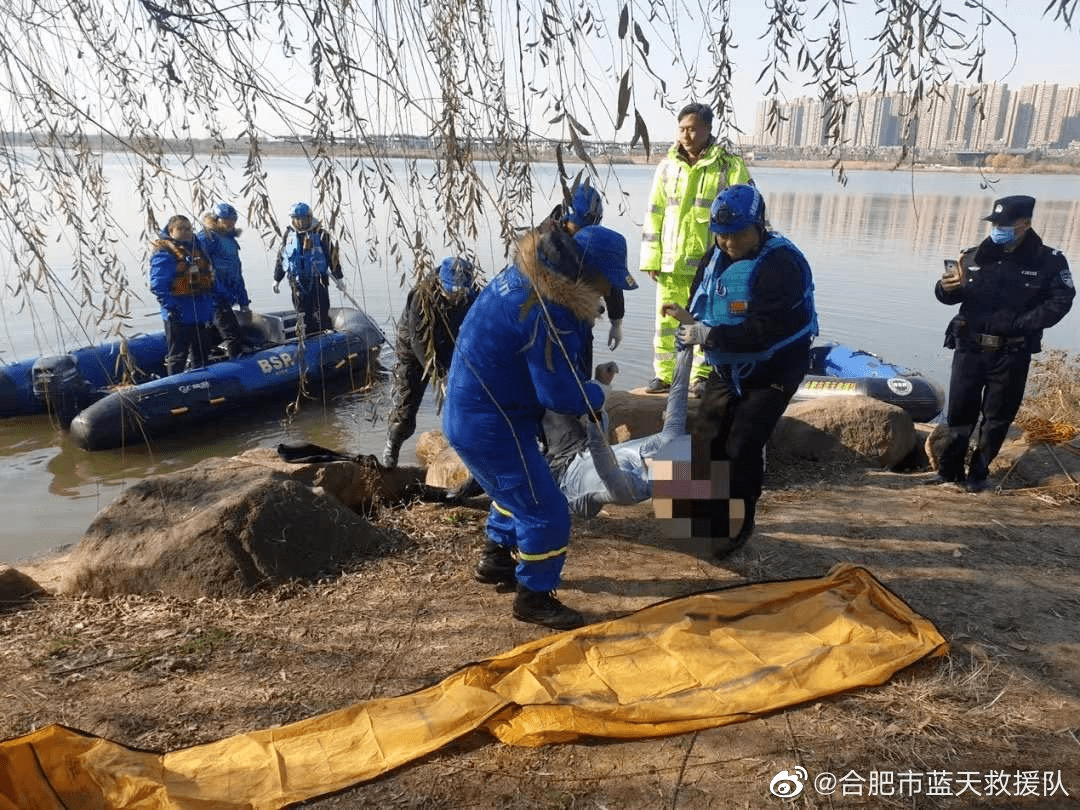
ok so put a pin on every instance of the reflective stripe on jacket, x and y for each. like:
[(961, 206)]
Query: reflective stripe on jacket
[(676, 235)]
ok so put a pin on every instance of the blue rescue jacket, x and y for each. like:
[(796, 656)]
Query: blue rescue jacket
[(223, 250), (512, 361), (181, 279), (725, 296), (304, 267)]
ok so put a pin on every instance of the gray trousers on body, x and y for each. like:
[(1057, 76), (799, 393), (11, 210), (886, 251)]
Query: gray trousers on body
[(618, 474)]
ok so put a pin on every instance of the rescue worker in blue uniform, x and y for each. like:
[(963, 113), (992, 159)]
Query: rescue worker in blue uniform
[(518, 353), (752, 309), (426, 335), (310, 259), (1010, 288), (218, 239), (182, 281), (583, 207)]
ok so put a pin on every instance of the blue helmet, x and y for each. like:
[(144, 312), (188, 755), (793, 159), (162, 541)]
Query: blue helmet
[(224, 211), (455, 275), (301, 210), (605, 251), (735, 208), (585, 208)]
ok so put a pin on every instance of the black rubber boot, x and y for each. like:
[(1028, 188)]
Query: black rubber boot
[(541, 607), (390, 454), (496, 567)]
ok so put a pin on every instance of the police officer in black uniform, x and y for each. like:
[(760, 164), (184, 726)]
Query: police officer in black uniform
[(1010, 288)]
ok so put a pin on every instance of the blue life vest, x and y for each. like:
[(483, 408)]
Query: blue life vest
[(723, 298), (305, 266)]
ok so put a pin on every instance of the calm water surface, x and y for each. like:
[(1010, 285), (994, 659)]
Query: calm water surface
[(875, 245)]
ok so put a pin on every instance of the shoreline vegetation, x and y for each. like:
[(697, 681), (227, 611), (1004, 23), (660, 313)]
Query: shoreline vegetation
[(420, 148)]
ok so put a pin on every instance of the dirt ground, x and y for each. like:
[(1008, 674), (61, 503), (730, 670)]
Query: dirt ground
[(998, 572)]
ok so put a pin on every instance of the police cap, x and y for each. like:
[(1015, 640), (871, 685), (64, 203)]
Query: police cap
[(1008, 210)]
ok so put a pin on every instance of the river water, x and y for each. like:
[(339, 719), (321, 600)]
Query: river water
[(876, 246)]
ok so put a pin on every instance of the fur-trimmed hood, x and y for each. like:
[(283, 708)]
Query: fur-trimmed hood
[(578, 295)]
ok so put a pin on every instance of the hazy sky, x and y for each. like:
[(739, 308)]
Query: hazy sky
[(1044, 50)]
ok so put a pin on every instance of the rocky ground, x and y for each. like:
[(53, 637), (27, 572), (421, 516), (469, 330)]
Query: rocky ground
[(997, 572)]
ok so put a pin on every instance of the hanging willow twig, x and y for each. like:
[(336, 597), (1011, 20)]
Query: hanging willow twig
[(347, 80)]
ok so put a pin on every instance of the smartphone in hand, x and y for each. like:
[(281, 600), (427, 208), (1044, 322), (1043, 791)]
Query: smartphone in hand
[(952, 269)]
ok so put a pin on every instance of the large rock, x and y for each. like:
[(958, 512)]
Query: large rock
[(830, 429), (634, 414), (227, 526), (935, 443), (16, 587), (849, 429), (444, 467), (428, 446), (446, 470)]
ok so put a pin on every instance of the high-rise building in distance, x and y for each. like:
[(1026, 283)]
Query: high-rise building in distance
[(981, 118)]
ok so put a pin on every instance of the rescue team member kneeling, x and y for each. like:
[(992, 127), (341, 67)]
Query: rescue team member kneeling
[(1010, 288), (518, 353), (182, 281), (752, 304)]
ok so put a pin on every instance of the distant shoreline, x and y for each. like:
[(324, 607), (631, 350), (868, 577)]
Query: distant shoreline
[(605, 153)]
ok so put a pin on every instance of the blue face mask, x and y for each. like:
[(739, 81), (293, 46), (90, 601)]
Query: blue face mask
[(1002, 234)]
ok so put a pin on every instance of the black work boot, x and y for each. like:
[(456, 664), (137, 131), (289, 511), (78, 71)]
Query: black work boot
[(723, 547), (496, 567), (978, 473), (541, 607)]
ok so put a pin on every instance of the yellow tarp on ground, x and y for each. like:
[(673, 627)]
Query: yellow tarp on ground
[(692, 663)]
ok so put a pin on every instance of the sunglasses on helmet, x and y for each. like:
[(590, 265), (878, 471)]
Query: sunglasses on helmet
[(724, 215)]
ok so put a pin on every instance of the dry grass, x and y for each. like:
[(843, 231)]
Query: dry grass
[(997, 575), (1051, 409)]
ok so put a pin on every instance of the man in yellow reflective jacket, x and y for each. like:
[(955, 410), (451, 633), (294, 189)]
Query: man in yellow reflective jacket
[(676, 231)]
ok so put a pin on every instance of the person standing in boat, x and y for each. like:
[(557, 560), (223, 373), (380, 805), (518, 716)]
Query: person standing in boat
[(675, 234), (218, 239), (1010, 288), (310, 259), (751, 308), (426, 335), (182, 280), (519, 353)]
